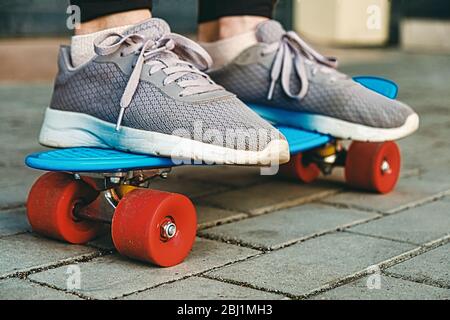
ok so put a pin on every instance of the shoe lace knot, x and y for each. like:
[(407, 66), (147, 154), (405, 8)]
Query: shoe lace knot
[(181, 59), (292, 50)]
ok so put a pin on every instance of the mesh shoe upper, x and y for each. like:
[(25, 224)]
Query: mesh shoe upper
[(329, 92), (96, 89)]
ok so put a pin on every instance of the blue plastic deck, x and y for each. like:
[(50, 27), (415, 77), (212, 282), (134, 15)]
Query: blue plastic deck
[(93, 160), (386, 87), (109, 160), (301, 140)]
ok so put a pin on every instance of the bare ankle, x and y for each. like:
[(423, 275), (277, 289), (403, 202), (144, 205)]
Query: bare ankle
[(208, 31), (227, 27), (113, 20)]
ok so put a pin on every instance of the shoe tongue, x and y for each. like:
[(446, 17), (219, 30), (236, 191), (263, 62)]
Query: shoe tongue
[(269, 31), (153, 28)]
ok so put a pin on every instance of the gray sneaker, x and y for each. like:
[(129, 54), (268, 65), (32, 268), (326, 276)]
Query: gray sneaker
[(144, 92), (284, 72)]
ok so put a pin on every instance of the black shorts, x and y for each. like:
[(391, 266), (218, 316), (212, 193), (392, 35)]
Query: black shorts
[(208, 10)]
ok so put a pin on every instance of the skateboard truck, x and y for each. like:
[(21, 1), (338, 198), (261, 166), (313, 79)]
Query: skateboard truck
[(333, 154), (112, 187), (103, 207), (132, 177), (326, 157)]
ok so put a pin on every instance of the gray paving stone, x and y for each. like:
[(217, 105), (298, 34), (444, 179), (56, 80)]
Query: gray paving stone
[(104, 242), (15, 186), (19, 289), (114, 276), (306, 266), (21, 117), (427, 153), (289, 225), (13, 221), (434, 124), (21, 122), (256, 200), (430, 267), (198, 288), (418, 225), (390, 289), (209, 216), (410, 192), (429, 147), (439, 173), (25, 251)]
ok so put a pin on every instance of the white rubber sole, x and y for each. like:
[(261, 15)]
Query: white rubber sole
[(335, 127), (352, 131), (65, 129)]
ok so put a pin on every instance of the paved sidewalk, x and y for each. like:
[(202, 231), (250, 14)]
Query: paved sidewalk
[(259, 237)]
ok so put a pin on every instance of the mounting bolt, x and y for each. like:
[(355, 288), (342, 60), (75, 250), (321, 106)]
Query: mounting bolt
[(168, 230), (114, 180), (164, 175), (385, 167)]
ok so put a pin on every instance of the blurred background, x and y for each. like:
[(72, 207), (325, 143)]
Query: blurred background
[(37, 27)]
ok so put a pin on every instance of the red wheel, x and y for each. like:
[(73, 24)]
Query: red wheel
[(51, 204), (373, 166), (154, 226), (295, 168)]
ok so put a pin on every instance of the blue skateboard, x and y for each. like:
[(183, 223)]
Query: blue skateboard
[(88, 187)]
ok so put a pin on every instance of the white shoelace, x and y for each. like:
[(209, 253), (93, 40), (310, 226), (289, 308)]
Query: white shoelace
[(292, 49), (163, 54)]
